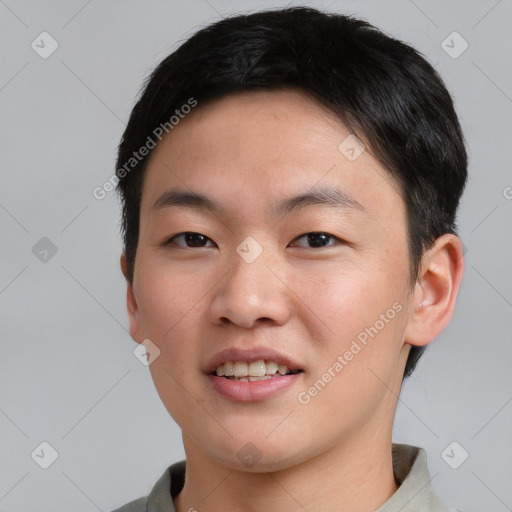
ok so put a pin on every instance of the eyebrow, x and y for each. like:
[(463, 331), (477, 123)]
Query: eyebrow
[(329, 196)]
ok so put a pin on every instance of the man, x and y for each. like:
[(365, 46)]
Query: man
[(289, 182)]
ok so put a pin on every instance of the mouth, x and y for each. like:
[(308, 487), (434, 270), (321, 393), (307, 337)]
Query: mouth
[(252, 374), (252, 371)]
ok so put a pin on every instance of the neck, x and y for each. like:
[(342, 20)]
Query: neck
[(357, 474)]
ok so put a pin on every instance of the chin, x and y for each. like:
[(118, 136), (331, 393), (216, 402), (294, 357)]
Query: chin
[(257, 456)]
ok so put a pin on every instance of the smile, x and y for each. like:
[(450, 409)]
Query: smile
[(243, 371)]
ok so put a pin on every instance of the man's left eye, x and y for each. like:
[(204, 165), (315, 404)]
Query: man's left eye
[(318, 239)]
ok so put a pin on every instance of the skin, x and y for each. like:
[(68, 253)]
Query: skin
[(247, 152)]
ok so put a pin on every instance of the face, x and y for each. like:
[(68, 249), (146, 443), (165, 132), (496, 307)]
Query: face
[(317, 285)]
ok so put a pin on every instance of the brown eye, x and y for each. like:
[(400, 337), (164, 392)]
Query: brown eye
[(190, 240), (318, 239)]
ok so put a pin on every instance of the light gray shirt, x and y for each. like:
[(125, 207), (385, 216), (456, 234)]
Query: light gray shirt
[(414, 493)]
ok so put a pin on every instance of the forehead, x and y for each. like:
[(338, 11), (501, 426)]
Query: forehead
[(262, 145)]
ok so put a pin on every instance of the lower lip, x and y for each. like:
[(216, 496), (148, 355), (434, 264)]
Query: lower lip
[(252, 391)]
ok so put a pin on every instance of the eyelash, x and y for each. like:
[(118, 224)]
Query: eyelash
[(170, 241)]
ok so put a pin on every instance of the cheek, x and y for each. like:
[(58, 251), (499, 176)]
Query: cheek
[(363, 312), (349, 301), (170, 306), (167, 297)]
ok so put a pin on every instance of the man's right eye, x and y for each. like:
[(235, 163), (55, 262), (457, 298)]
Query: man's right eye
[(189, 240)]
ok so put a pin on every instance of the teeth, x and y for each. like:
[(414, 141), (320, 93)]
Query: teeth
[(250, 379), (282, 369), (257, 370), (241, 369), (271, 367), (229, 371)]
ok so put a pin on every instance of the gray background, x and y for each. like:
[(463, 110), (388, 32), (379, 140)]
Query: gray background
[(68, 375)]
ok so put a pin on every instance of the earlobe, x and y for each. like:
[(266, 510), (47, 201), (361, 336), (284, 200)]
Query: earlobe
[(436, 290), (131, 304)]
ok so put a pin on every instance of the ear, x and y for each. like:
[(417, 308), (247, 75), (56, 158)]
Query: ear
[(136, 331), (436, 290)]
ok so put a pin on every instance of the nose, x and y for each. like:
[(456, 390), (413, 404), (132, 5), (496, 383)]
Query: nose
[(251, 293)]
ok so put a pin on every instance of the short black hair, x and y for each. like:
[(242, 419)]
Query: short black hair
[(381, 88)]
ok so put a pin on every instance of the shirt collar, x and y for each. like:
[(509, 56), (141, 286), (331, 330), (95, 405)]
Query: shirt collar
[(414, 493)]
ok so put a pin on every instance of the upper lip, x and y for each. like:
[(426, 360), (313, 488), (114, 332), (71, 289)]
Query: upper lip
[(249, 355)]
